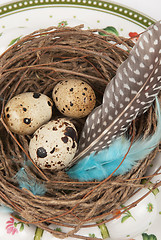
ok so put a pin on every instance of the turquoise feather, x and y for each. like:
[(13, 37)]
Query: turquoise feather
[(30, 183), (99, 166), (27, 182)]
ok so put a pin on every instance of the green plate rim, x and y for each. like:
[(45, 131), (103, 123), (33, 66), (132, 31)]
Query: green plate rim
[(106, 6)]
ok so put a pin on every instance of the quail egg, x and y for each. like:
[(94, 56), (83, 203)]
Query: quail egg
[(26, 112), (54, 144), (74, 98)]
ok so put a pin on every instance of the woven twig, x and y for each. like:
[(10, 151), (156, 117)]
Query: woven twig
[(36, 63)]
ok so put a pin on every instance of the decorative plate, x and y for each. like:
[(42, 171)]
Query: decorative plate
[(20, 18)]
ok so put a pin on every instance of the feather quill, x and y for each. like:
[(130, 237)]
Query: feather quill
[(99, 166), (131, 92)]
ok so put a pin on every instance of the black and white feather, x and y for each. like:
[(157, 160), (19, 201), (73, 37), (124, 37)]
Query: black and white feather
[(130, 92)]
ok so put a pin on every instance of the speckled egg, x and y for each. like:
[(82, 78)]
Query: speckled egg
[(74, 98), (26, 112), (54, 144)]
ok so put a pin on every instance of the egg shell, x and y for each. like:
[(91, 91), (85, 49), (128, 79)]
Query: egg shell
[(26, 112), (74, 98), (54, 144), (137, 220)]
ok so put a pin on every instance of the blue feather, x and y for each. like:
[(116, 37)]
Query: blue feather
[(98, 166), (29, 183), (27, 162)]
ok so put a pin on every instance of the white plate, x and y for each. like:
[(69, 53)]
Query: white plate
[(20, 18)]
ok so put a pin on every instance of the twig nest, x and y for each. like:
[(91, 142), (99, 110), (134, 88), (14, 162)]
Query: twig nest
[(26, 112), (54, 144), (52, 55), (74, 98)]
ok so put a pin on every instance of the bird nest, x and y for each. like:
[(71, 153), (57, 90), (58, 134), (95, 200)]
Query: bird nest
[(36, 63)]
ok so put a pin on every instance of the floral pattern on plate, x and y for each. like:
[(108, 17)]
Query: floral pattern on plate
[(20, 18)]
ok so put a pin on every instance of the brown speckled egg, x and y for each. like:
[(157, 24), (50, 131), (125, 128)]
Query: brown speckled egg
[(74, 98), (26, 112), (54, 144)]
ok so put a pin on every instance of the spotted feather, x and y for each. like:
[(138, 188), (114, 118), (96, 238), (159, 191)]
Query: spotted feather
[(131, 92)]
